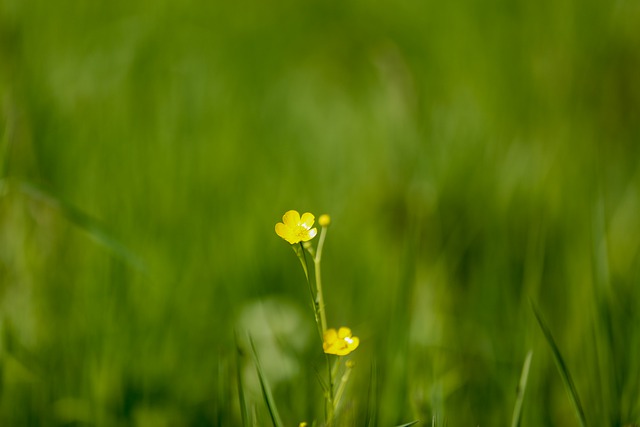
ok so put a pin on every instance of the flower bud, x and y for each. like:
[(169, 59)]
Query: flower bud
[(324, 220)]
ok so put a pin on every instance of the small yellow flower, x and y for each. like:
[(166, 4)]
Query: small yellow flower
[(324, 220), (295, 229), (339, 342)]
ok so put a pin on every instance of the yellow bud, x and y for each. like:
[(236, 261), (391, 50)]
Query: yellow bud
[(324, 220)]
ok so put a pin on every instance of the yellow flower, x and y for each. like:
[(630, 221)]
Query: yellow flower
[(339, 342), (324, 220), (294, 228)]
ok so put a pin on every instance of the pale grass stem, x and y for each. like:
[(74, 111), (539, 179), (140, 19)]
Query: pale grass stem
[(522, 386), (343, 384)]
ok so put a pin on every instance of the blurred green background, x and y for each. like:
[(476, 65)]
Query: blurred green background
[(473, 155)]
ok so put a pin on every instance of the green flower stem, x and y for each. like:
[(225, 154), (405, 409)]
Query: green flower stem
[(319, 312), (329, 405), (320, 297), (317, 258), (299, 250)]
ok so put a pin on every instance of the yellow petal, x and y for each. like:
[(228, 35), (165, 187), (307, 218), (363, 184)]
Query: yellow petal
[(348, 345), (286, 233), (354, 343), (330, 348), (291, 218), (344, 332), (310, 235), (281, 230), (330, 336), (329, 341), (307, 220)]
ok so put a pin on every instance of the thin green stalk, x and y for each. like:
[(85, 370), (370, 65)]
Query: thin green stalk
[(330, 405), (299, 250), (329, 408), (320, 297), (317, 300), (303, 261)]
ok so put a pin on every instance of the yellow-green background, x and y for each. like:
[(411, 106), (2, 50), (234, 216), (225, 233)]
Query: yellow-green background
[(473, 156)]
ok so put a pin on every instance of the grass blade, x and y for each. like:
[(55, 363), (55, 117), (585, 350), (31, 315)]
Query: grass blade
[(522, 386), (243, 404), (562, 368), (266, 391), (409, 424), (372, 398)]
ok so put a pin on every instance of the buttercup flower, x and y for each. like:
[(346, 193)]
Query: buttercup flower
[(295, 229), (339, 342)]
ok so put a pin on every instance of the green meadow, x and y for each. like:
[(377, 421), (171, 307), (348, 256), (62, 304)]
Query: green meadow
[(480, 162)]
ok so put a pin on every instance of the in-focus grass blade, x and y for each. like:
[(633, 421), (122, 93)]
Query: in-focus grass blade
[(522, 386), (562, 368), (266, 391), (372, 398), (243, 404), (409, 424)]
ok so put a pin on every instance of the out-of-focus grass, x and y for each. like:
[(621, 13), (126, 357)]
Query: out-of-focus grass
[(472, 155)]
